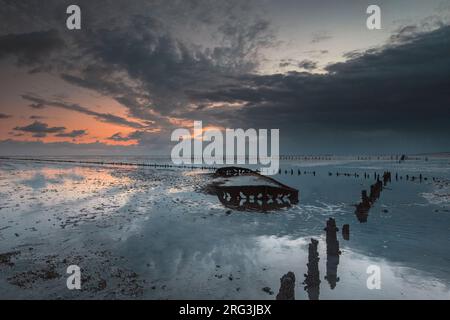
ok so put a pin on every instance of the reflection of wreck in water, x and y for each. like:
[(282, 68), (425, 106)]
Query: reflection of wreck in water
[(262, 194), (362, 208), (333, 253), (312, 278)]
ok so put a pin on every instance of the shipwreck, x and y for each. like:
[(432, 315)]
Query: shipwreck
[(246, 190)]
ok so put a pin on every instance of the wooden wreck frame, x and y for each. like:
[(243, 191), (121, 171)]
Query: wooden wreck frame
[(254, 197)]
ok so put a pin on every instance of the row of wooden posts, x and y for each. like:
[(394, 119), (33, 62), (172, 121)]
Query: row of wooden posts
[(290, 171), (365, 175)]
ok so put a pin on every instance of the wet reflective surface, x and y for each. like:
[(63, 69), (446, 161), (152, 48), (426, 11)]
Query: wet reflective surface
[(153, 233)]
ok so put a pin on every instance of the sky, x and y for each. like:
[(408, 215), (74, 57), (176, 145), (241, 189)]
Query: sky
[(137, 70)]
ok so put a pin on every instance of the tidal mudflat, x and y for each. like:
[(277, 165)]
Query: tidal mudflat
[(154, 233)]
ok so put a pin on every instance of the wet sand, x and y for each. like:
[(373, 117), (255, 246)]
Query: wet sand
[(149, 233)]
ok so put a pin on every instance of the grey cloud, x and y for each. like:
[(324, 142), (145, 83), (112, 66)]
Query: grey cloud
[(105, 117), (136, 135), (5, 116), (307, 64), (16, 134), (147, 141), (16, 147), (142, 58), (163, 67), (320, 36), (30, 48), (401, 87), (284, 63), (72, 134), (244, 42), (317, 52), (138, 102), (37, 106), (40, 129), (119, 137), (405, 33), (39, 135), (142, 63)]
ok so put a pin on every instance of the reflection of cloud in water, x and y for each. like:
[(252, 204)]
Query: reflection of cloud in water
[(43, 179), (194, 260), (440, 195), (397, 281), (185, 257), (324, 209)]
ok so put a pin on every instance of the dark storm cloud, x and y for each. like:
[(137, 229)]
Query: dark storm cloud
[(4, 116), (135, 54), (72, 134), (30, 48), (40, 129), (165, 66), (105, 117), (139, 57), (245, 41), (140, 60), (138, 102), (400, 87)]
